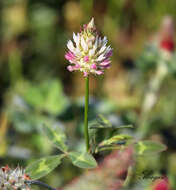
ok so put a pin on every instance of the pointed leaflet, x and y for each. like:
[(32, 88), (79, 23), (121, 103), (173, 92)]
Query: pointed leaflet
[(82, 160), (113, 143), (116, 140), (99, 126), (103, 123), (149, 147), (56, 136), (100, 122), (43, 166)]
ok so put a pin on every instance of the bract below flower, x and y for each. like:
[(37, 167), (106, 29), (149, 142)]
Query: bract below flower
[(88, 52)]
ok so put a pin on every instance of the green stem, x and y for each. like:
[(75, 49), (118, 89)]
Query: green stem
[(151, 98), (128, 178), (86, 132), (39, 183)]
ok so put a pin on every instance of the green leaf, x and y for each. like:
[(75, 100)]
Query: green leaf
[(117, 139), (124, 126), (103, 123), (100, 123), (110, 147), (98, 126), (56, 101), (82, 160), (43, 166), (57, 137), (149, 147), (114, 143), (47, 96)]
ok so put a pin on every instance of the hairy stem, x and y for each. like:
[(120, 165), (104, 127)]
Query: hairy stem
[(128, 178), (39, 183), (86, 132)]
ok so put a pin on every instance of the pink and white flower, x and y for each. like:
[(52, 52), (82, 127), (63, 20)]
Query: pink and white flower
[(88, 52)]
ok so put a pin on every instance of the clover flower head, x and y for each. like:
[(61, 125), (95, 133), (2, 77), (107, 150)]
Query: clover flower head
[(13, 179), (88, 52)]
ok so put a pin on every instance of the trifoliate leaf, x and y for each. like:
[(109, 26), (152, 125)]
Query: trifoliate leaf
[(149, 147), (82, 160)]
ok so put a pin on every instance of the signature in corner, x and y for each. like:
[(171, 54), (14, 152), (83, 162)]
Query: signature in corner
[(147, 174)]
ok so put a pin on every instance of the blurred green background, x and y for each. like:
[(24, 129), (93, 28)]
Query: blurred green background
[(36, 88)]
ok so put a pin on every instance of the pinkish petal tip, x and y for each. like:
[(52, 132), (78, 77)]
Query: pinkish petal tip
[(105, 62), (109, 54), (70, 68), (99, 72), (69, 56), (93, 66), (105, 66), (85, 74), (77, 66), (86, 58)]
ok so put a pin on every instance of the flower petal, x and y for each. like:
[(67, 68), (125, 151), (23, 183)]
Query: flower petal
[(102, 49), (86, 58), (85, 74), (70, 46), (83, 44), (93, 66), (100, 58), (99, 72)]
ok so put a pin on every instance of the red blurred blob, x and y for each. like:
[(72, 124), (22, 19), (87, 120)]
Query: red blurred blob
[(167, 34), (162, 185), (167, 45)]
